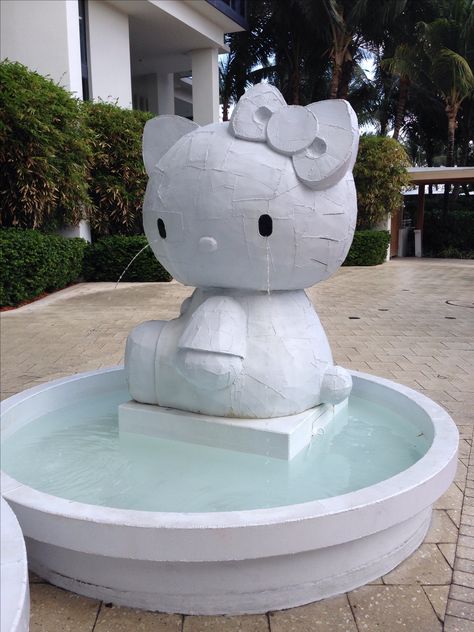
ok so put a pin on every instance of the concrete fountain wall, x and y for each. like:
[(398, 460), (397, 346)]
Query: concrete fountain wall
[(14, 573), (231, 562)]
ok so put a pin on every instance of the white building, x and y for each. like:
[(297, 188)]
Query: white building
[(156, 55)]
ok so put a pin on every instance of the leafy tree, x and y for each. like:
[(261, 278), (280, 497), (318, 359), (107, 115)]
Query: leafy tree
[(380, 175)]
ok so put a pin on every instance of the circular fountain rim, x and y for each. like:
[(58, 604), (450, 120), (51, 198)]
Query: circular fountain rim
[(381, 505)]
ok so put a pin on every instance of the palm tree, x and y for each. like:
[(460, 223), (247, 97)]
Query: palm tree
[(449, 43), (248, 49), (404, 64), (354, 24), (402, 56)]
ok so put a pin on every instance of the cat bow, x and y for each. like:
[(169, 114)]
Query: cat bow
[(321, 138)]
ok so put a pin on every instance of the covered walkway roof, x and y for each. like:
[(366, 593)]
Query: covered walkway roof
[(436, 175), (441, 175)]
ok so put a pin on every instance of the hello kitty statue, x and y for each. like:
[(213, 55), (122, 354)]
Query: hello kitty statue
[(249, 212)]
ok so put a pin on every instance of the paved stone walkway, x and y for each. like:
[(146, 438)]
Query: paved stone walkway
[(391, 320)]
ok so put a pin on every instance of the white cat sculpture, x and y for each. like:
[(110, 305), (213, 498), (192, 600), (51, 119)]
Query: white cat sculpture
[(251, 213)]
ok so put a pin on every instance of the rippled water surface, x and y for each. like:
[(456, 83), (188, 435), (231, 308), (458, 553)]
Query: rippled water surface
[(76, 452)]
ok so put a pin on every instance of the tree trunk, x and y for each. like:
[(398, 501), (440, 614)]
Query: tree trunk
[(451, 111), (346, 76), (225, 109), (383, 122), (295, 75), (335, 79), (401, 105)]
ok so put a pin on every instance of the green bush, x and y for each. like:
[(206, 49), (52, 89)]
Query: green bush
[(454, 253), (107, 258), (117, 177), (380, 175), (44, 151), (32, 263), (369, 248), (453, 230), (446, 232)]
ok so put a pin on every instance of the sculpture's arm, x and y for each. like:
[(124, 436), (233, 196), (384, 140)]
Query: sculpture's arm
[(212, 347), (140, 352)]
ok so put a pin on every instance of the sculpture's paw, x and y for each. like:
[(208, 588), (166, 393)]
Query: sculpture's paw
[(209, 370), (336, 385)]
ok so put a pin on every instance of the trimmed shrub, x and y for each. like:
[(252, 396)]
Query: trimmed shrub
[(107, 258), (32, 263), (454, 230), (369, 248), (44, 151), (380, 175), (117, 178)]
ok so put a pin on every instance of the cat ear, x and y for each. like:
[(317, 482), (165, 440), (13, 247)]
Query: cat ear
[(160, 134), (253, 110), (333, 152)]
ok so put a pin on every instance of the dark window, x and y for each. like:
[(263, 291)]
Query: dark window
[(84, 55)]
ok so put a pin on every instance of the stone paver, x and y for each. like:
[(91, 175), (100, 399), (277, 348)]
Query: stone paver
[(390, 608), (330, 614), (55, 610), (442, 528), (391, 320), (438, 596), (247, 623), (426, 566), (114, 619)]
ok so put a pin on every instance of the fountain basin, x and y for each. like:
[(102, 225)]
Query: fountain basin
[(14, 573), (241, 561)]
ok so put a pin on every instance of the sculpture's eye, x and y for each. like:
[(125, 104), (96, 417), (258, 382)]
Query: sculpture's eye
[(265, 225), (161, 228)]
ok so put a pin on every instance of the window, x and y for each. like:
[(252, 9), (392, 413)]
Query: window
[(236, 10), (84, 55)]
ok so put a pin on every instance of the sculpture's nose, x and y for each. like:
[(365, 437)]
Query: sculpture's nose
[(207, 244)]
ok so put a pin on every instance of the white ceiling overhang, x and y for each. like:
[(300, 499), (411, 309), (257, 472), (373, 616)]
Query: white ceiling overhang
[(164, 32)]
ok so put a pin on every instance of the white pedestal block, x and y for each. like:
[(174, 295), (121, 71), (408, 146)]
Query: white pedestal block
[(280, 437)]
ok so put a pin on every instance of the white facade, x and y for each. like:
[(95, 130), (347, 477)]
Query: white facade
[(136, 53), (109, 54), (44, 36)]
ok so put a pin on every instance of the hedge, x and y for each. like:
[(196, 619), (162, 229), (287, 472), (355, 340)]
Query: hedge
[(369, 248), (44, 151), (64, 160), (107, 258), (117, 177), (32, 263)]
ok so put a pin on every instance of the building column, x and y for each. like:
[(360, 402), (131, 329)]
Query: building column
[(165, 87), (205, 69)]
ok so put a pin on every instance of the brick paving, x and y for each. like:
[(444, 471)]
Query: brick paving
[(391, 320)]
